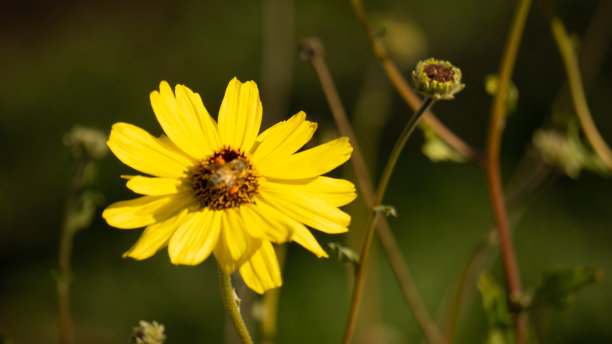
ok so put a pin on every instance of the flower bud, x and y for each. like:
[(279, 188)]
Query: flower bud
[(82, 140), (148, 333), (437, 79)]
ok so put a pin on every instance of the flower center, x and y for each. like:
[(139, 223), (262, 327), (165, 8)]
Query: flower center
[(439, 72), (224, 180)]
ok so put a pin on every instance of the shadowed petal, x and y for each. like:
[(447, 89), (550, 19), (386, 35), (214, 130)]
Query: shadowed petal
[(146, 210), (261, 272), (154, 238), (195, 238)]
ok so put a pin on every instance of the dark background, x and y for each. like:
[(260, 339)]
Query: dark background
[(94, 63)]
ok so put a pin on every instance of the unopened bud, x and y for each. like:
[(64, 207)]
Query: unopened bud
[(148, 333), (437, 79), (86, 141)]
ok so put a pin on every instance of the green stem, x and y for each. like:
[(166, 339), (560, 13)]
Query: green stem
[(373, 217), (313, 50), (270, 304), (230, 303), (496, 125), (570, 62), (64, 277), (387, 240), (408, 95)]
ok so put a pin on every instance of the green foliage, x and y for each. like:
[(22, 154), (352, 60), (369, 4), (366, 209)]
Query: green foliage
[(343, 254), (387, 210), (491, 85), (436, 149), (566, 151), (148, 333), (558, 287), (495, 304), (82, 214)]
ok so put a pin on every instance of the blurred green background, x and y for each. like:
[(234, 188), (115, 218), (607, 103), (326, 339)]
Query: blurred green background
[(94, 63)]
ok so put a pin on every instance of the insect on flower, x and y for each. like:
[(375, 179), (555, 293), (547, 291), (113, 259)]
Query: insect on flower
[(222, 188), (228, 174)]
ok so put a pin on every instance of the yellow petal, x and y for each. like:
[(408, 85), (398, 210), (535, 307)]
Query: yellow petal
[(262, 272), (234, 245), (240, 115), (310, 211), (155, 186), (154, 238), (185, 120), (265, 222), (141, 151), (333, 191), (146, 210), (195, 238), (283, 139), (304, 237), (310, 163), (301, 234)]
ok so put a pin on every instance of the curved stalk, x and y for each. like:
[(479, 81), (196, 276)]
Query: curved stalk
[(230, 303), (406, 92), (374, 216), (496, 126), (570, 62)]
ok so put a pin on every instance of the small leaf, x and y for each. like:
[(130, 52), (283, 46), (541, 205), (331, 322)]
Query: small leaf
[(558, 287), (82, 214), (436, 149), (512, 93), (344, 254), (387, 210), (495, 304)]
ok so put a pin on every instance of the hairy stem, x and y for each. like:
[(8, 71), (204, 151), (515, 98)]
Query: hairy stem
[(230, 303), (496, 126)]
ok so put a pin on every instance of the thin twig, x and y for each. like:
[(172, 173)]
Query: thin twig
[(570, 62), (592, 50), (64, 275), (312, 50), (496, 126), (230, 303), (270, 304), (406, 92), (373, 217)]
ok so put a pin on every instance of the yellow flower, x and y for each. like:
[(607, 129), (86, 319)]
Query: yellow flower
[(225, 189)]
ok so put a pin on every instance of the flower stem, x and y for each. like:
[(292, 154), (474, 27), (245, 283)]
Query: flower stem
[(270, 304), (406, 92), (64, 277), (570, 62), (230, 303), (496, 125), (387, 240), (373, 217)]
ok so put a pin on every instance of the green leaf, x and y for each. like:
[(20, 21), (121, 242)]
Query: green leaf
[(436, 149), (558, 287), (495, 304), (512, 93), (82, 214), (344, 254), (386, 210)]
